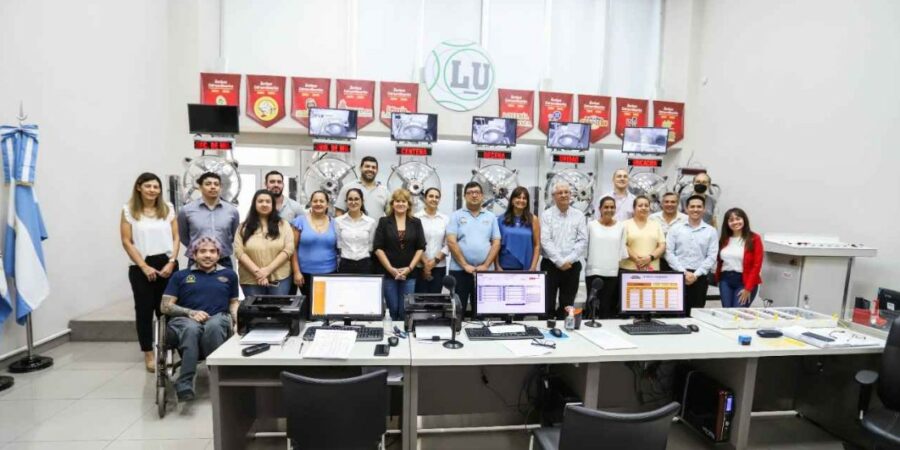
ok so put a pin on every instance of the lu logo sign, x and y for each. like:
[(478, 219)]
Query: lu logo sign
[(459, 75)]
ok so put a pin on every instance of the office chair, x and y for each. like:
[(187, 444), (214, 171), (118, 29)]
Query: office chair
[(587, 428), (883, 424), (348, 413)]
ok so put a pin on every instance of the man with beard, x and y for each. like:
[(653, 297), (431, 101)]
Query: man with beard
[(375, 194), (287, 207)]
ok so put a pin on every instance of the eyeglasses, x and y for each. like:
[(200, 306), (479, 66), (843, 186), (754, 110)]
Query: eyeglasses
[(473, 192)]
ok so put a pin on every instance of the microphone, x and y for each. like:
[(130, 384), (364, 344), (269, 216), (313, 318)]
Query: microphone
[(450, 283), (594, 300)]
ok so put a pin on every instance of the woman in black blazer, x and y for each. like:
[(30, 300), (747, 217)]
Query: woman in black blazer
[(399, 244)]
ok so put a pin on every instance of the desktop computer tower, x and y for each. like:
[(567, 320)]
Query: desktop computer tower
[(707, 406)]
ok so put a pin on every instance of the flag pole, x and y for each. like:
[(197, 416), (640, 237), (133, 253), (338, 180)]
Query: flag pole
[(31, 362)]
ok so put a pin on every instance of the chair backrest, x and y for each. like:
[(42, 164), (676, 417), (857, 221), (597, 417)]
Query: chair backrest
[(889, 378), (587, 428), (347, 413)]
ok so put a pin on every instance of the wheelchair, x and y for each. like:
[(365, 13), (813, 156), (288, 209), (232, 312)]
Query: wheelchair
[(168, 362)]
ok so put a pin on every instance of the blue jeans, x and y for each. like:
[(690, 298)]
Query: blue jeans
[(394, 293), (280, 287), (195, 341), (730, 285)]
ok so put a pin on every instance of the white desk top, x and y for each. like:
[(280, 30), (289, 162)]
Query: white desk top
[(784, 346), (363, 354)]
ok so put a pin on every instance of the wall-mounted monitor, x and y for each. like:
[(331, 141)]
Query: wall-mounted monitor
[(213, 119), (569, 136), (645, 141), (413, 127), (332, 123), (493, 131)]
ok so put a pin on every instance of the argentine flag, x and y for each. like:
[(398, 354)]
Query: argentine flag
[(23, 253)]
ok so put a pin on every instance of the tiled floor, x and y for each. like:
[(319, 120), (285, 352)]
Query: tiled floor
[(98, 396)]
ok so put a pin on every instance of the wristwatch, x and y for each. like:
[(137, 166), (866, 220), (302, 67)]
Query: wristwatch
[(652, 257)]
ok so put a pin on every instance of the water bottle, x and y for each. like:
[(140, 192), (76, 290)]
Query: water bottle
[(388, 322), (570, 320)]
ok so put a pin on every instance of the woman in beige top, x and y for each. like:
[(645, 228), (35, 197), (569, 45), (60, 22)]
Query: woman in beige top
[(644, 238), (263, 246)]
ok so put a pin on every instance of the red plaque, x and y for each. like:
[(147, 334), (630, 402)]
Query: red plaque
[(398, 97), (630, 113), (595, 110), (519, 105), (222, 89), (308, 93), (555, 107), (670, 115), (265, 99), (358, 95)]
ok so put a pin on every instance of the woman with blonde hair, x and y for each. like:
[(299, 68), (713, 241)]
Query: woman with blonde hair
[(149, 234), (399, 244)]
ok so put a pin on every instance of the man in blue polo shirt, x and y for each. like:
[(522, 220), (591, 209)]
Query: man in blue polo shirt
[(202, 303), (473, 237)]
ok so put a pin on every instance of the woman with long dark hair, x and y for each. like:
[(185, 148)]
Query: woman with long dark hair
[(606, 249), (520, 234), (434, 260), (355, 232), (149, 234), (263, 246), (739, 264)]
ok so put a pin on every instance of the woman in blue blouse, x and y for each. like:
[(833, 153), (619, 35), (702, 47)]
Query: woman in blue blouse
[(520, 234), (316, 239)]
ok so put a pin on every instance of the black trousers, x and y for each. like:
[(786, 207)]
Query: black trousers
[(363, 266), (608, 297), (147, 297), (563, 282), (695, 294), (465, 289)]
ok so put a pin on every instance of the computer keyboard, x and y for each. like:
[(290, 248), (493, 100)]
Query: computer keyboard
[(639, 329), (485, 334), (362, 333)]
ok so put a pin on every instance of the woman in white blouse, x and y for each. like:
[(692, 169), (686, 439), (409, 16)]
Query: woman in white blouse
[(434, 261), (606, 248), (149, 234), (355, 233)]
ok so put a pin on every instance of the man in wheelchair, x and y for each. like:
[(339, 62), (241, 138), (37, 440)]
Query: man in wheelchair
[(202, 303)]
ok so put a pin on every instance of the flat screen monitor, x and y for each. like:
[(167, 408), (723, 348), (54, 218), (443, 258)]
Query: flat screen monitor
[(509, 294), (645, 141), (413, 127), (213, 119), (888, 303), (354, 297), (494, 131), (569, 135), (332, 123), (651, 293)]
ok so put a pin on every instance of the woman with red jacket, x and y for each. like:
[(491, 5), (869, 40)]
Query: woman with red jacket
[(740, 260)]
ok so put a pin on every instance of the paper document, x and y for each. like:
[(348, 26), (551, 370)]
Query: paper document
[(607, 340), (427, 332), (274, 336), (331, 344), (524, 347), (831, 337), (507, 329)]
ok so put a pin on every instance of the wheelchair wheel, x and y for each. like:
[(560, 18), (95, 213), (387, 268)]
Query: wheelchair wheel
[(161, 400)]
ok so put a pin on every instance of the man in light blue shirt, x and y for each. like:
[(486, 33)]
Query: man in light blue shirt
[(692, 248), (563, 245), (473, 238)]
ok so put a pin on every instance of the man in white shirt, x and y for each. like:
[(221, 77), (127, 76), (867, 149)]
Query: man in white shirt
[(563, 245), (624, 199), (668, 218), (287, 207), (375, 194)]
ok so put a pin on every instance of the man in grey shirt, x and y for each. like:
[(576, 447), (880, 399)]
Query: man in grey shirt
[(209, 215), (287, 207), (375, 194)]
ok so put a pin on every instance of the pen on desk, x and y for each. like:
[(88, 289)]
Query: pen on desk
[(301, 347)]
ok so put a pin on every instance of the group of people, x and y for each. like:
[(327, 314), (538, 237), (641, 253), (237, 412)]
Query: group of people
[(281, 246)]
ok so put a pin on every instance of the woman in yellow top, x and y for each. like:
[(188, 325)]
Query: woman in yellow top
[(644, 238), (263, 246)]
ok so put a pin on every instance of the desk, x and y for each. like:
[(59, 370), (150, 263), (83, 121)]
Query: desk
[(235, 379)]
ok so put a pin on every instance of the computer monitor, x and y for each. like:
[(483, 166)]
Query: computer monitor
[(494, 131), (509, 295), (651, 294), (569, 136), (414, 127), (213, 119), (346, 297), (645, 140), (332, 123)]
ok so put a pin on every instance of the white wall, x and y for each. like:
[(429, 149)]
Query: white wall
[(794, 105)]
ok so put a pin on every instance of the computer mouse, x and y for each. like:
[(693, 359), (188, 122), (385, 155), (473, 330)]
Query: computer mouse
[(768, 333), (393, 341), (693, 328), (556, 332)]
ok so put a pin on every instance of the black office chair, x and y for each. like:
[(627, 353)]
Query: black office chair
[(346, 414), (883, 423), (600, 430)]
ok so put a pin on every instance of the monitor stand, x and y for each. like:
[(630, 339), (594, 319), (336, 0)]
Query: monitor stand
[(648, 319), (348, 322)]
